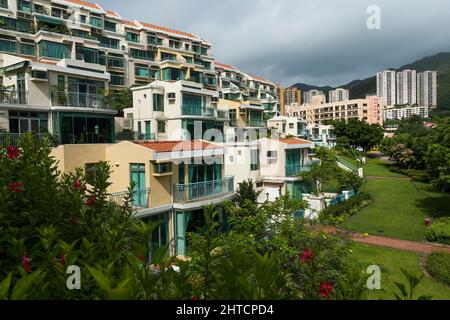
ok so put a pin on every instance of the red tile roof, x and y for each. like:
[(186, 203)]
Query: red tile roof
[(86, 4), (129, 23), (260, 79), (169, 146), (152, 26), (294, 141), (225, 66), (112, 13)]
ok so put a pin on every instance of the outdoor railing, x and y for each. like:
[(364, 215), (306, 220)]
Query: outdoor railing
[(188, 110), (8, 138), (196, 191), (293, 170), (256, 123), (139, 198), (77, 99), (13, 96)]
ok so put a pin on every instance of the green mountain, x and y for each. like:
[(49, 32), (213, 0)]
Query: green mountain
[(440, 63)]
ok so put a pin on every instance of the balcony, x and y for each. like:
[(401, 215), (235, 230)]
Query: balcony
[(256, 123), (187, 110), (8, 138), (293, 170), (13, 96), (78, 100), (139, 198), (184, 193)]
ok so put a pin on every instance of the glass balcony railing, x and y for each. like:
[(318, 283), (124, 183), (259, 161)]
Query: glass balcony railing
[(139, 198), (293, 170), (8, 138), (256, 123), (188, 110), (13, 96), (78, 100), (197, 191)]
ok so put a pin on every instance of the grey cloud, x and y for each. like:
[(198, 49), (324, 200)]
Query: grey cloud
[(323, 42)]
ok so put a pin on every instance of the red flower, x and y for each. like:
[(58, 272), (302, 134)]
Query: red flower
[(306, 255), (62, 259), (12, 152), (195, 298), (90, 202), (16, 187), (427, 221), (77, 184), (326, 289), (141, 258), (26, 263)]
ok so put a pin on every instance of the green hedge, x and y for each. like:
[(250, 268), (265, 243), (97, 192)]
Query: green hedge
[(439, 232), (438, 265), (337, 214), (414, 174)]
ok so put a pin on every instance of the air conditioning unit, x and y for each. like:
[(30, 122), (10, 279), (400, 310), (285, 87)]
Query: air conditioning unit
[(171, 96), (215, 99)]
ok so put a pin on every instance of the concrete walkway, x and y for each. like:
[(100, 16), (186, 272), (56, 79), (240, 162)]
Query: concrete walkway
[(419, 247)]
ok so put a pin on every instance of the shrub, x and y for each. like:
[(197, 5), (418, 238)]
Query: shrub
[(339, 213), (438, 265), (439, 232)]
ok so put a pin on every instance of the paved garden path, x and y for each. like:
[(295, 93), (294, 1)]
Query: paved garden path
[(388, 178), (420, 247)]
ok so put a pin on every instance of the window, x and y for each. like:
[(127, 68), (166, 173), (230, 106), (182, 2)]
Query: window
[(8, 45), (27, 49), (291, 126), (188, 59), (161, 126), (87, 54), (153, 40), (24, 6), (254, 160), (259, 184), (115, 61), (158, 103), (83, 18), (110, 26), (117, 79), (4, 4), (171, 95), (53, 50), (96, 22), (141, 71), (108, 42), (141, 54), (155, 74), (168, 56), (38, 74), (272, 154), (161, 168), (133, 37), (174, 44)]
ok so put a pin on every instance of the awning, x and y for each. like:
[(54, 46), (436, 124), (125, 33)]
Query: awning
[(13, 67), (50, 20)]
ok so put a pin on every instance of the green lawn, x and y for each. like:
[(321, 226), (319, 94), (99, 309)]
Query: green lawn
[(379, 168), (351, 163), (397, 211), (390, 261)]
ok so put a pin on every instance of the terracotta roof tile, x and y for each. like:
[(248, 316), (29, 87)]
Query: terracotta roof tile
[(152, 26), (112, 13), (225, 66), (84, 3), (294, 141), (260, 79), (169, 146)]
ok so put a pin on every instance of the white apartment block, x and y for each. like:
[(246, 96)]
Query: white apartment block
[(308, 96), (406, 87), (288, 126), (338, 94), (405, 112), (427, 89), (386, 85)]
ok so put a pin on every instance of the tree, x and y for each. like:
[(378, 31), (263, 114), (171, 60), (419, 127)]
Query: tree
[(357, 133), (118, 100), (246, 193)]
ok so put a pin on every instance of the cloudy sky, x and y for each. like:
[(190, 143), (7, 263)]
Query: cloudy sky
[(321, 42)]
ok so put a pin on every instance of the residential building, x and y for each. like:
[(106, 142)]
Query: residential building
[(321, 135), (63, 98), (288, 126), (280, 92), (292, 95), (386, 87), (308, 96), (398, 113), (172, 182), (338, 94), (427, 89), (406, 87), (368, 109), (177, 110)]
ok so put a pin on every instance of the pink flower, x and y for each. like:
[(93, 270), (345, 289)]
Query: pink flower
[(16, 187), (26, 263), (91, 200), (62, 259), (306, 255), (195, 298), (12, 152), (326, 289), (427, 221), (77, 184)]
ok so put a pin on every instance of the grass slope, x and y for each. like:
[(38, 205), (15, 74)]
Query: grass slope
[(390, 261)]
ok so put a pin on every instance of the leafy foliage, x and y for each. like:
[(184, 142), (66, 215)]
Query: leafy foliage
[(439, 231), (438, 265)]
